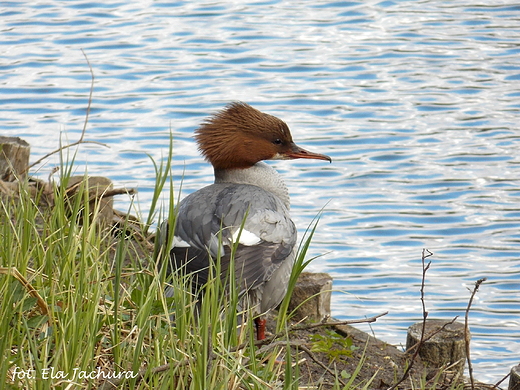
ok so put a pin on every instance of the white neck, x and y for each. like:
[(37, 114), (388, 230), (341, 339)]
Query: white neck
[(260, 175)]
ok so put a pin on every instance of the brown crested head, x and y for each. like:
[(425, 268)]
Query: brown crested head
[(239, 136)]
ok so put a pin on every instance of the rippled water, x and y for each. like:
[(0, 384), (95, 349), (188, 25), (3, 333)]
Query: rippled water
[(416, 101)]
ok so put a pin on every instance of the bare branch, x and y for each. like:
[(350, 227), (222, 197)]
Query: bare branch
[(425, 254), (42, 305), (81, 138), (430, 335), (89, 98), (466, 331), (317, 361), (495, 386), (299, 326)]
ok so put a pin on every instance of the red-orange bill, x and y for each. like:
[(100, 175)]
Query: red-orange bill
[(297, 152)]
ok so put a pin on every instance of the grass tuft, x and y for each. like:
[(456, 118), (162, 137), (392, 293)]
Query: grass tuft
[(84, 305)]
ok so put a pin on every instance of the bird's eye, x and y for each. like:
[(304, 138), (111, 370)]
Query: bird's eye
[(277, 141)]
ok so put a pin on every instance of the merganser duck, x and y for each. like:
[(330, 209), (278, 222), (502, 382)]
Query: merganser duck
[(248, 202)]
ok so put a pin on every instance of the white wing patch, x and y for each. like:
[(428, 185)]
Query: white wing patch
[(246, 237), (179, 243)]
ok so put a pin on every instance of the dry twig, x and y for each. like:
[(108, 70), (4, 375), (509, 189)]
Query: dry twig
[(81, 138), (425, 254), (300, 326), (430, 335), (466, 331), (42, 305), (320, 363)]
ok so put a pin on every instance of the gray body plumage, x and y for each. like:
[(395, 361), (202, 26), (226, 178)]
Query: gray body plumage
[(250, 206)]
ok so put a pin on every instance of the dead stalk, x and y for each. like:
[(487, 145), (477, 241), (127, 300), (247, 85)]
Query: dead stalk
[(466, 331), (81, 138), (425, 254)]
